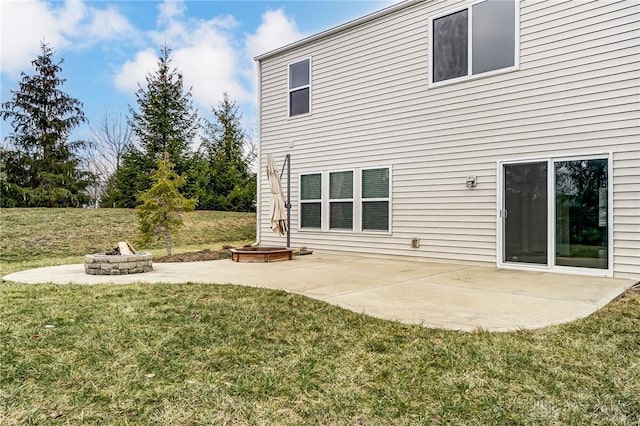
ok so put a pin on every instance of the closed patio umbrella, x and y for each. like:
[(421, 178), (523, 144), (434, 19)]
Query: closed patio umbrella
[(279, 223)]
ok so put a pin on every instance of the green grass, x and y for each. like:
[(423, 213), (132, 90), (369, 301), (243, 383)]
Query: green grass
[(222, 354), (204, 354), (44, 237)]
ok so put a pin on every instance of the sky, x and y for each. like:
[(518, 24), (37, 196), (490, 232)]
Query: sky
[(109, 46)]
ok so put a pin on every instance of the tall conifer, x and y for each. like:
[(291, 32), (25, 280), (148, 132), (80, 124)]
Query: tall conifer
[(165, 121), (41, 167), (232, 185)]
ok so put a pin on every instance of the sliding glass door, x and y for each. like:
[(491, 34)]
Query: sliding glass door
[(581, 204), (556, 213), (525, 213)]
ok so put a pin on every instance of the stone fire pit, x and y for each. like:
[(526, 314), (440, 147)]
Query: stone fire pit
[(119, 264)]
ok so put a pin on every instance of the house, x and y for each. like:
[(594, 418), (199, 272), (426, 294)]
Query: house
[(492, 132)]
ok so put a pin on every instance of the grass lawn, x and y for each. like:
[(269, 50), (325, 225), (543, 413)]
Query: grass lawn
[(42, 237), (207, 354)]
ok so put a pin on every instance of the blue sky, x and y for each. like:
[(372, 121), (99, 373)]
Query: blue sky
[(109, 46)]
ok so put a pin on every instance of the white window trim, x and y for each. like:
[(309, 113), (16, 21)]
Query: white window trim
[(356, 200), (387, 199), (351, 200), (293, 89), (551, 231), (319, 200), (470, 75)]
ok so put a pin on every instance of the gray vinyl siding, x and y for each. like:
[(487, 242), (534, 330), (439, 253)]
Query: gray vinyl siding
[(577, 92)]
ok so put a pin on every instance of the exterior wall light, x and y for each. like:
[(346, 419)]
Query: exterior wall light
[(472, 181)]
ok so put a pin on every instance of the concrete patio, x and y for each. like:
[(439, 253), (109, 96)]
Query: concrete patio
[(451, 296)]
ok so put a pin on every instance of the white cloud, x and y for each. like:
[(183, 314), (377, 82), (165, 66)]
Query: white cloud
[(68, 25), (275, 30), (204, 51), (210, 70), (210, 54), (170, 9), (134, 72), (108, 24), (71, 16), (24, 26)]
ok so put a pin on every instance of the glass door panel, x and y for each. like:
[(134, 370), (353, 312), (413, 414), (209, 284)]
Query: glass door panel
[(581, 213), (525, 213)]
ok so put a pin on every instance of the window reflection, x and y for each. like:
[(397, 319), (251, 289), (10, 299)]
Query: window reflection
[(581, 213)]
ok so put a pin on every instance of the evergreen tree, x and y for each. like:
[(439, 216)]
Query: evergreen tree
[(124, 185), (165, 121), (40, 167), (231, 184), (160, 214)]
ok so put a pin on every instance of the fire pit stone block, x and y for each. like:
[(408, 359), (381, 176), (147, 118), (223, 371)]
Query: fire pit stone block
[(104, 264)]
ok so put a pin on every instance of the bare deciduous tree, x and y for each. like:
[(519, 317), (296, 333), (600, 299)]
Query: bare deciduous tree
[(109, 141), (250, 147), (112, 138)]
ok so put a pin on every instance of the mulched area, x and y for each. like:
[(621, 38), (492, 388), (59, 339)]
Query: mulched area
[(195, 256)]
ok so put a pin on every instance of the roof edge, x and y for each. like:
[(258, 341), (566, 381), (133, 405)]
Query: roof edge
[(350, 24)]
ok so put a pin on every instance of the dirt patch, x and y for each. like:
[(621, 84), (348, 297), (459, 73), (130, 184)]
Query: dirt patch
[(635, 290), (195, 256)]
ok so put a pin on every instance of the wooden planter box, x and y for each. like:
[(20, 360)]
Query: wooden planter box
[(261, 254)]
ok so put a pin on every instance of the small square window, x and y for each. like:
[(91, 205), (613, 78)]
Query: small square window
[(299, 74), (299, 102), (341, 185), (311, 215), (341, 215), (375, 183), (375, 216), (311, 186)]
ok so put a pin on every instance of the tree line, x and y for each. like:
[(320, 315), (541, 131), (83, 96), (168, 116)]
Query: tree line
[(41, 167)]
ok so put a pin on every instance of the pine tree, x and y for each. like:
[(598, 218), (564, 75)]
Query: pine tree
[(166, 121), (160, 214), (231, 186), (124, 185), (40, 166)]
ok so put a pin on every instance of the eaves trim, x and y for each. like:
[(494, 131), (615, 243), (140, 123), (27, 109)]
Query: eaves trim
[(359, 21)]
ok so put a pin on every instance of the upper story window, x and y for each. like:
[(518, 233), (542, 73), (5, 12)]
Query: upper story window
[(478, 39), (300, 88)]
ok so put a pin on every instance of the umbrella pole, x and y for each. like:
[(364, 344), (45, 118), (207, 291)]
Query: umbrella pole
[(288, 160)]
